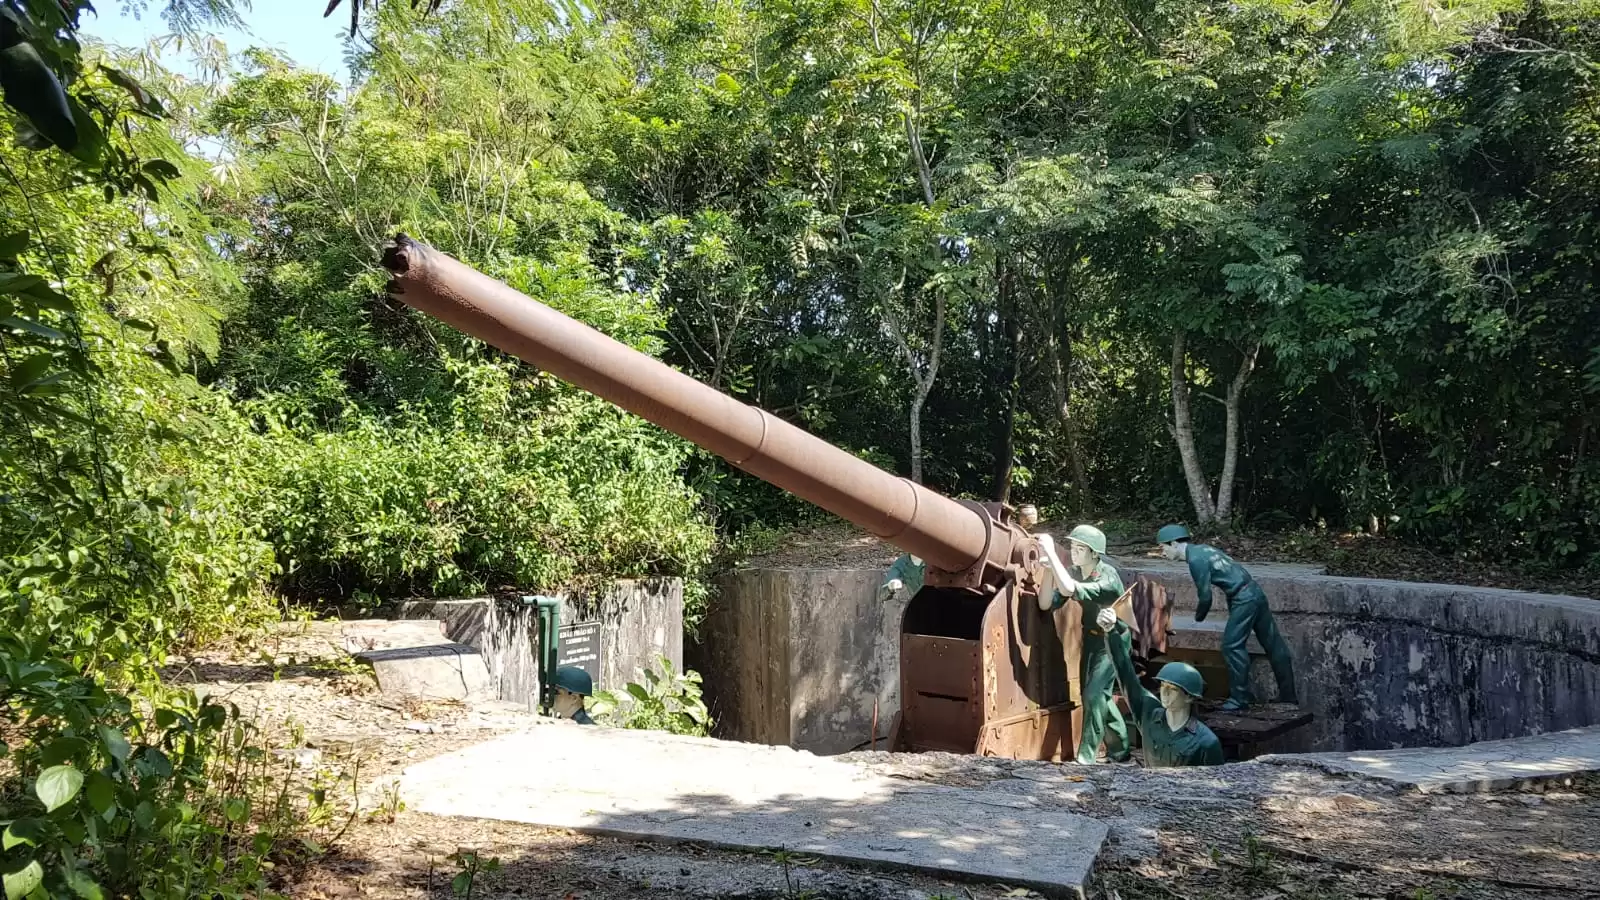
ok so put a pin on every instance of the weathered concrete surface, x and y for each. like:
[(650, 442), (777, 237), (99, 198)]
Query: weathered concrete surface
[(1475, 768), (1389, 664), (415, 659), (799, 657), (1380, 664), (640, 620), (663, 787)]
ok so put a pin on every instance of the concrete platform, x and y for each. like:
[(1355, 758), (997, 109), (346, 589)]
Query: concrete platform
[(1475, 768), (654, 786)]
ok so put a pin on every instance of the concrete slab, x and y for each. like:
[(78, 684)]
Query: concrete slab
[(438, 671), (655, 786), (1187, 634), (1475, 768), (360, 635)]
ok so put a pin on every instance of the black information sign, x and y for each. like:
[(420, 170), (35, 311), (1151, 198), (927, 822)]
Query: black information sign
[(580, 646)]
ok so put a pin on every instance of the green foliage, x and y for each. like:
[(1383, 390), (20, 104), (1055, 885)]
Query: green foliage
[(387, 453), (105, 801), (664, 701), (472, 867)]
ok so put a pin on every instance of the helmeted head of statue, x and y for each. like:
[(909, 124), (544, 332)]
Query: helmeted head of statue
[(1088, 545), (574, 679), (1184, 677), (571, 684), (1027, 515), (1174, 541)]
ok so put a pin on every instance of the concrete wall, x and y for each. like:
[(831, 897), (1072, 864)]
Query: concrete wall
[(800, 657), (796, 656), (639, 621)]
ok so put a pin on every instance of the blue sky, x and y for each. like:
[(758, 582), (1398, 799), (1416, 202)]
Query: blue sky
[(295, 27)]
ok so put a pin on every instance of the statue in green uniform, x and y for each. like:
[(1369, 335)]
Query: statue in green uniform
[(1247, 613), (1096, 585), (905, 575), (1172, 735), (572, 685)]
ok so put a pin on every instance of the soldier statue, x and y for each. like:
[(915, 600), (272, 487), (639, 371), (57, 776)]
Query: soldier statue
[(572, 685), (1095, 585), (905, 575), (1172, 735), (1247, 614)]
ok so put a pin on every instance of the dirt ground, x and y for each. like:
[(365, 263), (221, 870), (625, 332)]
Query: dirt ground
[(837, 544), (1260, 833)]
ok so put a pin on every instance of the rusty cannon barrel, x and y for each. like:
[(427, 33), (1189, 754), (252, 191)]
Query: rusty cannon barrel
[(982, 668), (967, 541)]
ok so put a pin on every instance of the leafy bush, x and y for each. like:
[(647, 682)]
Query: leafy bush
[(665, 701), (99, 800), (559, 492)]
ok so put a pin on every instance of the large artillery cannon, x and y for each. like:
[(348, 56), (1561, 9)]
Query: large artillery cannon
[(981, 668)]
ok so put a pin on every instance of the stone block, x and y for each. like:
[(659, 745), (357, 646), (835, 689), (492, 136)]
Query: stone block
[(439, 671)]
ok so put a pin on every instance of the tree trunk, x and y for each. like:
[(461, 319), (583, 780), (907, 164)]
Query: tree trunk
[(1205, 509), (1060, 349), (1007, 368), (916, 434), (1230, 446)]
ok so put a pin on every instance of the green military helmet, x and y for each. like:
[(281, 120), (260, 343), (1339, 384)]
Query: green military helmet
[(1170, 533), (1184, 677), (574, 679), (1090, 537)]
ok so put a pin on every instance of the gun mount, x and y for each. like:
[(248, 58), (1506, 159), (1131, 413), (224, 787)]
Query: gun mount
[(982, 669)]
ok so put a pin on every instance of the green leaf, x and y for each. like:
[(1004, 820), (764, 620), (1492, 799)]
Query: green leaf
[(638, 692), (12, 245), (144, 814), (24, 881), (162, 169), (28, 325), (46, 297), (30, 371), (102, 793), (148, 186), (115, 743), (62, 750), (236, 809), (18, 282), (91, 140), (57, 786), (154, 763), (84, 886), (23, 831), (461, 883), (146, 100)]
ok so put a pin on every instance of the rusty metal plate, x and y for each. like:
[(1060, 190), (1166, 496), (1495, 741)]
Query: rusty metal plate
[(940, 723), (940, 665), (1025, 674), (1042, 734), (941, 708)]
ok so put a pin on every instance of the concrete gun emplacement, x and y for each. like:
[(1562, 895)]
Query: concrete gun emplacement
[(982, 669)]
